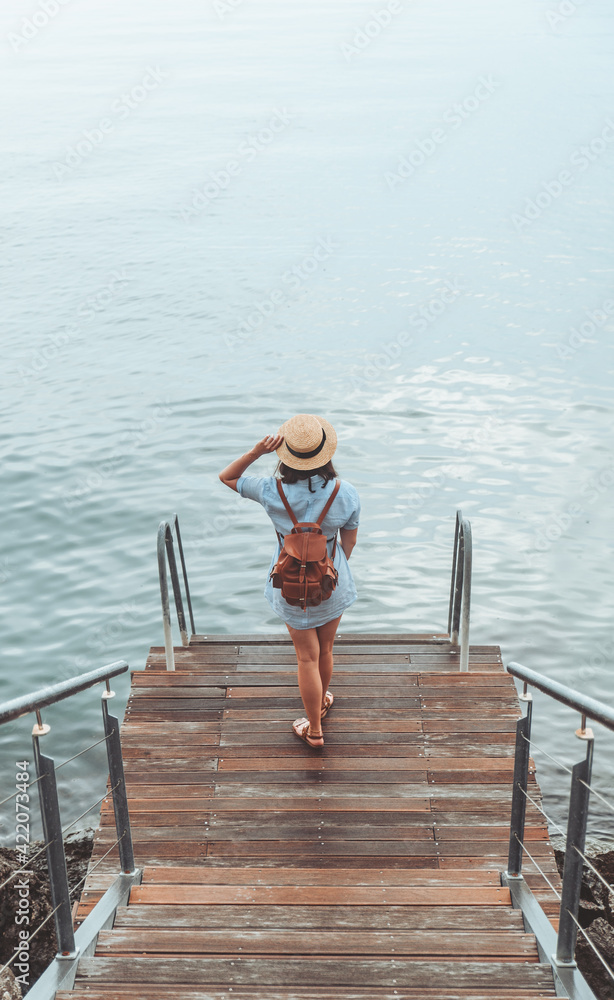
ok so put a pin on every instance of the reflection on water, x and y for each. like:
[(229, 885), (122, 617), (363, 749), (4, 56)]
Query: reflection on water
[(232, 251)]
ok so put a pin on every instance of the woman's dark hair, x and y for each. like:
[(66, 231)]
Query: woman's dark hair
[(288, 475)]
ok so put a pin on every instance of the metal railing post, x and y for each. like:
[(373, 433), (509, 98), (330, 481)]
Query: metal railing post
[(172, 564), (519, 798), (166, 553), (575, 843), (118, 786), (466, 594), (453, 587), (52, 833), (185, 574), (166, 609)]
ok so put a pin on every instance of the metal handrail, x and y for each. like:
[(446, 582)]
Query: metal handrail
[(166, 553), (589, 708), (57, 692), (459, 611), (71, 945), (559, 948)]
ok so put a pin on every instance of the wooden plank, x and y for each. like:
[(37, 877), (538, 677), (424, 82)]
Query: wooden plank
[(317, 972), (428, 639), (145, 991), (337, 734), (313, 788), (287, 678), (197, 875), (142, 787), (362, 700), (340, 917), (340, 849), (297, 828), (257, 654), (476, 832), (317, 895), (135, 714), (419, 944), (501, 766), (420, 806), (281, 637), (355, 694), (408, 723), (196, 749), (237, 770)]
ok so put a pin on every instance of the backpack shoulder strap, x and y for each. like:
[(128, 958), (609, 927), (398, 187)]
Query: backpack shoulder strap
[(285, 501), (329, 502)]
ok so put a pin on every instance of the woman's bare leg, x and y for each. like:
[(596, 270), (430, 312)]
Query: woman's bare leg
[(326, 637), (307, 648)]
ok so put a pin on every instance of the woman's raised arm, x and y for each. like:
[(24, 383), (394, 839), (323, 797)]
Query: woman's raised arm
[(235, 470)]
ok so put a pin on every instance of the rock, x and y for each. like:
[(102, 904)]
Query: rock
[(9, 987), (602, 935), (78, 850)]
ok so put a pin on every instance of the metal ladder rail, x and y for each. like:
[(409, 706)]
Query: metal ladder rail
[(166, 554), (459, 612)]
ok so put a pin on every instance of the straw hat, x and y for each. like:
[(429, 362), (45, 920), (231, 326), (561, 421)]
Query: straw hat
[(309, 442)]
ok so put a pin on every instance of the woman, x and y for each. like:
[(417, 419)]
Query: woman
[(305, 446)]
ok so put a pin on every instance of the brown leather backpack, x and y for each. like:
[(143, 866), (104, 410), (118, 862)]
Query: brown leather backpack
[(304, 572)]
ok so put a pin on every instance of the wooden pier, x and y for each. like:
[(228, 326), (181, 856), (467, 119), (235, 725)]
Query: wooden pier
[(274, 872)]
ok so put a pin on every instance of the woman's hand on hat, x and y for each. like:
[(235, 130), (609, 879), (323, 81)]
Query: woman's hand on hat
[(268, 444)]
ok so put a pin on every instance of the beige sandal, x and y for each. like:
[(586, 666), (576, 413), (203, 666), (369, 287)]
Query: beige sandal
[(300, 728), (328, 704)]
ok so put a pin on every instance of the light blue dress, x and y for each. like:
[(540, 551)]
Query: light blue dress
[(344, 513)]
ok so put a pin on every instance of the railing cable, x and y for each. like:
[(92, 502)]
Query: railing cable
[(539, 809), (542, 873), (93, 806), (546, 754), (91, 747), (598, 794), (99, 862)]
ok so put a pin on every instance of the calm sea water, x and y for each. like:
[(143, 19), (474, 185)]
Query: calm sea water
[(217, 215)]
